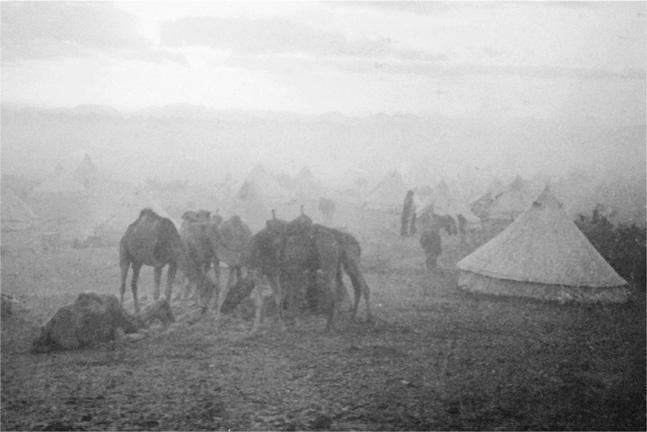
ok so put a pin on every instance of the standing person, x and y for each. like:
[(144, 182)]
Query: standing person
[(432, 245), (408, 213)]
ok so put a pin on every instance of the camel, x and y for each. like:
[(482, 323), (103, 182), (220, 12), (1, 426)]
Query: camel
[(228, 242), (290, 256), (96, 318), (351, 253), (194, 232), (209, 240), (154, 241)]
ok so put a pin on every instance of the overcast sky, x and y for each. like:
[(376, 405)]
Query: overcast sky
[(585, 61)]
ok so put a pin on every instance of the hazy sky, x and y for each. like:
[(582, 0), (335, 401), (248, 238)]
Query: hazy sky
[(584, 61)]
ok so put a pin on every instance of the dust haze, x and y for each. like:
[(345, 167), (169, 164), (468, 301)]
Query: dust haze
[(456, 188), (351, 91)]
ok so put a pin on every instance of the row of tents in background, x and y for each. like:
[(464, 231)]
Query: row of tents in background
[(80, 203)]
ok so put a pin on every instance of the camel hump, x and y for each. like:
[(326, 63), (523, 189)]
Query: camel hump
[(300, 224), (148, 212)]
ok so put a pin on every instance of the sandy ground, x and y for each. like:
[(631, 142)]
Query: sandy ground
[(435, 358)]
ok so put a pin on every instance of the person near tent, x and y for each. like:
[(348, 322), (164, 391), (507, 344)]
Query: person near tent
[(408, 216), (431, 243)]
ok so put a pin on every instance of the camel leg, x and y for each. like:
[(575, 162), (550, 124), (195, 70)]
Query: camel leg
[(289, 283), (258, 307), (360, 287), (222, 294), (124, 264), (158, 281), (342, 293), (133, 284), (278, 299), (230, 282), (257, 295), (170, 277), (216, 269), (330, 281)]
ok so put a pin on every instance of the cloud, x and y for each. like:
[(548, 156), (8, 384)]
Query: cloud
[(440, 7), (48, 30), (431, 69), (417, 7), (278, 36), (456, 70)]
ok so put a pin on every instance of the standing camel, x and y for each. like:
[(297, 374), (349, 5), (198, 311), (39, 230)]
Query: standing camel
[(300, 255), (154, 241), (229, 241), (194, 232)]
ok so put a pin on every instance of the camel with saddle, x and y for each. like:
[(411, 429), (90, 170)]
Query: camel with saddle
[(297, 259)]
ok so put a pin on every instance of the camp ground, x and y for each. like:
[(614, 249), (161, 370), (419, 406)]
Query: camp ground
[(323, 215)]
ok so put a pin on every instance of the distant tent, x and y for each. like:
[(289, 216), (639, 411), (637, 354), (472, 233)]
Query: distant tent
[(542, 254), (112, 223), (63, 204), (481, 206), (306, 186), (512, 202), (86, 172), (262, 186), (16, 214), (60, 184), (389, 193), (259, 193), (441, 200)]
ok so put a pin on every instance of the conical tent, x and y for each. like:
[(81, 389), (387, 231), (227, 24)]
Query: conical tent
[(389, 193), (306, 186), (448, 202), (86, 172), (262, 186), (542, 255), (481, 206), (16, 214), (123, 211), (511, 203), (61, 184)]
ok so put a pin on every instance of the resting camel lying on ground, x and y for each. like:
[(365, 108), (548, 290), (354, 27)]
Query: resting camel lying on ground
[(93, 319), (154, 241)]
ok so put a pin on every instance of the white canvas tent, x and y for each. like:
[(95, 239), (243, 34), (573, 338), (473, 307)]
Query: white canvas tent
[(87, 172), (389, 192), (114, 216), (306, 186), (16, 214), (259, 193), (542, 254), (513, 201), (260, 185), (61, 184)]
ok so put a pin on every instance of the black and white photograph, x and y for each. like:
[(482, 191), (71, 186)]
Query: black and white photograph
[(323, 215)]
